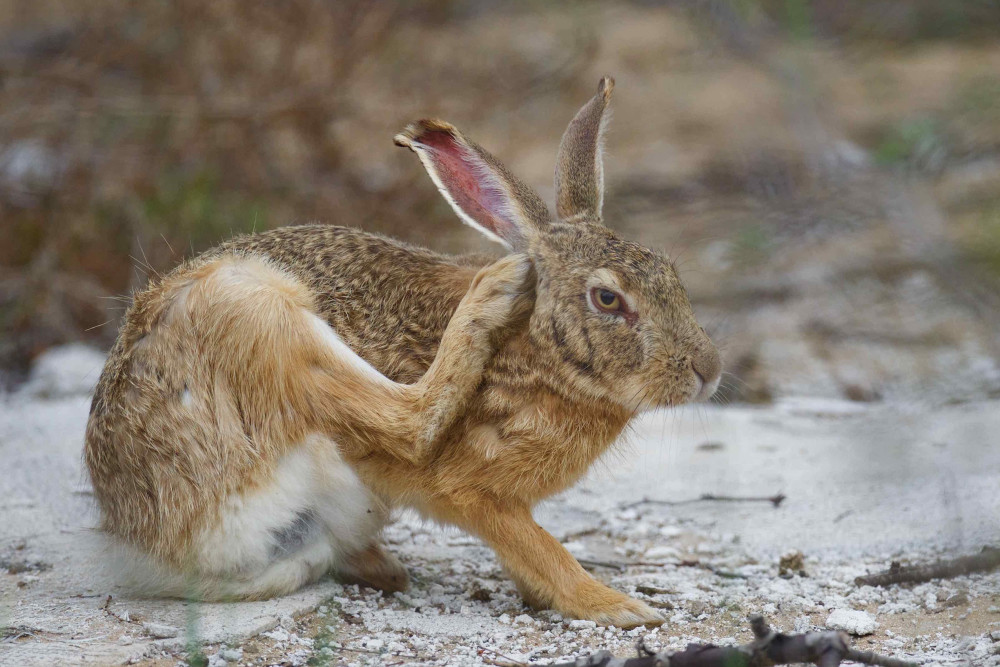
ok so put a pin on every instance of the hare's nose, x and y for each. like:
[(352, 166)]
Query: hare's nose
[(707, 365)]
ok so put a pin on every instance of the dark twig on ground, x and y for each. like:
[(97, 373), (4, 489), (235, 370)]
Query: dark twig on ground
[(500, 660), (987, 559), (610, 565), (826, 649), (775, 500), (589, 564)]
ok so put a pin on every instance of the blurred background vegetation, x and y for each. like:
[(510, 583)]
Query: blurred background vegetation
[(826, 172)]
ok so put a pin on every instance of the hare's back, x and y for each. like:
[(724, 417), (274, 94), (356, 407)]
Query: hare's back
[(389, 301)]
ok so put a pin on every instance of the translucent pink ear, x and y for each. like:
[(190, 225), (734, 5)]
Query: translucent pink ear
[(480, 189)]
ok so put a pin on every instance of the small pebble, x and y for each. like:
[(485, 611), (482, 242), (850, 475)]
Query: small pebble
[(858, 623), (160, 631)]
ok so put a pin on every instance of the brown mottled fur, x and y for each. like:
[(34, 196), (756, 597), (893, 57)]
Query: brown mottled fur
[(483, 410)]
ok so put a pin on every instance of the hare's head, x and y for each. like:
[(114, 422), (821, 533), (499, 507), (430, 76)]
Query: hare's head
[(611, 316)]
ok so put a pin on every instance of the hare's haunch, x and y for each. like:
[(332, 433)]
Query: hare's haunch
[(269, 402)]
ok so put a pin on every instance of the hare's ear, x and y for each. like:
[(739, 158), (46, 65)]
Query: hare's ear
[(579, 166), (480, 189)]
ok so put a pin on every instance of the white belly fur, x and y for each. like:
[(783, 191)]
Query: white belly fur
[(311, 478)]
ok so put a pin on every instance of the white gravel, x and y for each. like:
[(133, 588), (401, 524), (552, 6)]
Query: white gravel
[(866, 484)]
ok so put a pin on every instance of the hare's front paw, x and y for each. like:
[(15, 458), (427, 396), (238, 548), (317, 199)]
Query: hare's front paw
[(628, 613), (504, 291), (610, 607)]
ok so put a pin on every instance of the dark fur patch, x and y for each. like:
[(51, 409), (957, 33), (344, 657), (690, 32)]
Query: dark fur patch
[(294, 536), (567, 353)]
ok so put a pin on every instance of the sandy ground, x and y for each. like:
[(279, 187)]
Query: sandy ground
[(865, 484)]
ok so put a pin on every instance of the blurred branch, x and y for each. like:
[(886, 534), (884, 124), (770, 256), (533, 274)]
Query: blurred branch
[(775, 500), (987, 559), (826, 649)]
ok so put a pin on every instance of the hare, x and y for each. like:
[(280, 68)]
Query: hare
[(268, 403)]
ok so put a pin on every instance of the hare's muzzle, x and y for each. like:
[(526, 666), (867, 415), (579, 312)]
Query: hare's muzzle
[(707, 367)]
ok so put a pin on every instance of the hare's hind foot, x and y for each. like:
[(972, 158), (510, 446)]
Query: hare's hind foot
[(376, 568)]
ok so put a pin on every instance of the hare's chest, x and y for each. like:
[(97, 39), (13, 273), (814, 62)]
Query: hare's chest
[(534, 452)]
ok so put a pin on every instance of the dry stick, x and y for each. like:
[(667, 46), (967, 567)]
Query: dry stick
[(623, 567), (504, 661), (987, 559), (590, 564), (775, 500), (826, 649), (341, 647)]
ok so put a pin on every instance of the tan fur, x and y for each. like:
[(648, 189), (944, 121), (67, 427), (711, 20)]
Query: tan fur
[(579, 167), (491, 386)]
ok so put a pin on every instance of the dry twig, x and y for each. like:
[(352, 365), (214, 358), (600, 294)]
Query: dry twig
[(987, 559), (775, 500), (610, 565), (826, 649), (623, 566), (501, 660)]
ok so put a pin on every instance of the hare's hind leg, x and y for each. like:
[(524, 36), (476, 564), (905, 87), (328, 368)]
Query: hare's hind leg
[(314, 517)]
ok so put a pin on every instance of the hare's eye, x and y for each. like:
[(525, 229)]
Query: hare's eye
[(607, 300)]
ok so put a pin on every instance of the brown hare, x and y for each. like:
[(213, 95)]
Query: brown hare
[(269, 402)]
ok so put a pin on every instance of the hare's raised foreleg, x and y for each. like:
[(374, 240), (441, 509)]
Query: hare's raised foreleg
[(406, 421), (547, 575)]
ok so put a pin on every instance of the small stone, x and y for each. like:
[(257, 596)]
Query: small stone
[(861, 394), (698, 607), (277, 635), (582, 625), (160, 631), (481, 593), (957, 600), (231, 654), (523, 619), (662, 553), (791, 563), (858, 623)]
